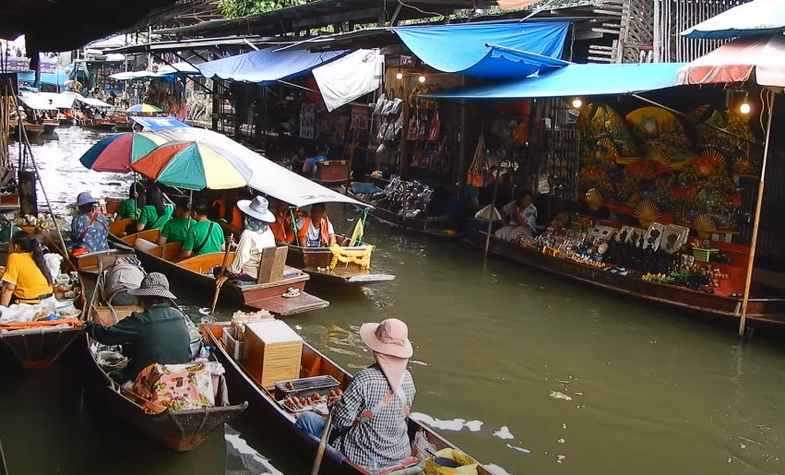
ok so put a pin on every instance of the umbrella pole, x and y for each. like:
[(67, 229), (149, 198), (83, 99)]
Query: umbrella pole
[(756, 223)]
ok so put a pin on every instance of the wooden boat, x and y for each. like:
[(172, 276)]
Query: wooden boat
[(50, 125), (316, 261), (763, 311), (32, 129), (178, 430), (198, 270), (41, 346), (276, 418), (99, 123)]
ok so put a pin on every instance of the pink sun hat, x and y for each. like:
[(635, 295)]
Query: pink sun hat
[(390, 337)]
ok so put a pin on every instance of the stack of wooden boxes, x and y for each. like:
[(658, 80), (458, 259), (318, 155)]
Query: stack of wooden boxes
[(273, 352)]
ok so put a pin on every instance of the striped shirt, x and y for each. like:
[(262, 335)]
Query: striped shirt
[(383, 441)]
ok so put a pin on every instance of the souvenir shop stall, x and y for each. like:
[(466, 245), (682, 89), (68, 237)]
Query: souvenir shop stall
[(665, 188), (413, 166)]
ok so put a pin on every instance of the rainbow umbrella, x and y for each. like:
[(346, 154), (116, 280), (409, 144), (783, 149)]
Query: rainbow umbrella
[(116, 152), (194, 165), (143, 109)]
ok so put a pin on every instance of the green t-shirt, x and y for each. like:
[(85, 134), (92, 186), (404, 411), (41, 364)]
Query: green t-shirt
[(176, 229), (150, 218), (196, 236), (127, 209)]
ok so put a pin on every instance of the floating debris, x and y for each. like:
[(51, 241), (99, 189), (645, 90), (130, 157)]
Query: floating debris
[(504, 433), (560, 395), (519, 449)]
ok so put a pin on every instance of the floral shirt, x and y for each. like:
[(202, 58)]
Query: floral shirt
[(90, 231)]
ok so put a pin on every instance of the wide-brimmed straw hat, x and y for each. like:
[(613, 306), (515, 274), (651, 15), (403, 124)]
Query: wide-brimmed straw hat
[(257, 208), (154, 284), (390, 337), (85, 198)]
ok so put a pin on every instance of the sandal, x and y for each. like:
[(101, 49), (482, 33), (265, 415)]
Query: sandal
[(291, 292)]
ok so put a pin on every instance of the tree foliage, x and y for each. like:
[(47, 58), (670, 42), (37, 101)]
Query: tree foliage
[(240, 8)]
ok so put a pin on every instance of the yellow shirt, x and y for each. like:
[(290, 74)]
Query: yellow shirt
[(22, 272)]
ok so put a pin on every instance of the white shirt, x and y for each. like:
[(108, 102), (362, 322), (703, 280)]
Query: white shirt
[(248, 255), (314, 233)]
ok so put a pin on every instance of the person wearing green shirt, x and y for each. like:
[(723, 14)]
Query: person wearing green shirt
[(177, 228), (157, 335), (128, 207), (204, 237), (155, 214)]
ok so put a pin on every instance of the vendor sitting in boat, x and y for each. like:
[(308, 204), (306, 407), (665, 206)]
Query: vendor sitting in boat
[(256, 237), (155, 213), (89, 228), (205, 236), (369, 421), (282, 227), (522, 215), (316, 230), (26, 278), (176, 230), (157, 335), (226, 212), (129, 207)]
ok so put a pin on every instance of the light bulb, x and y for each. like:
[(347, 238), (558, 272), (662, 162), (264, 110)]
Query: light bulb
[(577, 103), (421, 79), (399, 76), (745, 108)]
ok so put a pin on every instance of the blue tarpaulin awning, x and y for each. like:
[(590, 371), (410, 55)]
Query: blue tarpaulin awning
[(267, 65), (576, 80), (154, 124), (488, 50), (58, 78)]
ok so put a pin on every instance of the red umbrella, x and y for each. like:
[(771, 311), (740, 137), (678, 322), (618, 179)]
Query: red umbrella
[(737, 61)]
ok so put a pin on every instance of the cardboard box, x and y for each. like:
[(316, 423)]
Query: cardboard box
[(273, 352)]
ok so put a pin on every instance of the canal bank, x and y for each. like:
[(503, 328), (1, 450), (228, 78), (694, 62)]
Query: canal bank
[(519, 368)]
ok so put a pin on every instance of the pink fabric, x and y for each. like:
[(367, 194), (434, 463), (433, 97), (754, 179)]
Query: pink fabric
[(735, 62), (390, 337), (393, 369)]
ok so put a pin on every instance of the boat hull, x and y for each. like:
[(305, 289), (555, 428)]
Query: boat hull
[(267, 296), (762, 311), (40, 347), (316, 260), (181, 431)]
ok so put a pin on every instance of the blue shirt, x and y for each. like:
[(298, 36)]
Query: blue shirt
[(90, 233)]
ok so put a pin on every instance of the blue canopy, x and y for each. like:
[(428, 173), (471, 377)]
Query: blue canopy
[(57, 78), (154, 124), (267, 65), (576, 80), (488, 50)]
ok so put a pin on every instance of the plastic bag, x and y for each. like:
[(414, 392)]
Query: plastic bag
[(467, 465)]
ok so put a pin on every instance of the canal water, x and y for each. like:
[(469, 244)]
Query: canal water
[(531, 373)]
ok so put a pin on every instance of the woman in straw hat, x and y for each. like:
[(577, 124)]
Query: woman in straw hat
[(256, 237), (157, 335), (369, 420)]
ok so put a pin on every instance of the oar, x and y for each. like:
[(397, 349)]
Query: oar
[(317, 463), (219, 282), (3, 465)]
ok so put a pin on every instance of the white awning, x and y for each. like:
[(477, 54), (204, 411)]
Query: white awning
[(267, 176), (36, 101)]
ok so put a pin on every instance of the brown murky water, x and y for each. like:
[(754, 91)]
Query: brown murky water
[(523, 370)]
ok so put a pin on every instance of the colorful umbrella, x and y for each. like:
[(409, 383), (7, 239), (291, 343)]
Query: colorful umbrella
[(143, 109), (193, 166), (116, 152)]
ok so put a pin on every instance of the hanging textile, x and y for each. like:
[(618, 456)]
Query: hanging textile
[(349, 78)]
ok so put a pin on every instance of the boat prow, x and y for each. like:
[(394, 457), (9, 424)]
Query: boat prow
[(324, 267)]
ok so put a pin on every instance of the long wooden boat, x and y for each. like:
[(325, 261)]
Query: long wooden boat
[(768, 311), (99, 124), (275, 418), (316, 261), (40, 346), (50, 125), (198, 271), (31, 129), (178, 430)]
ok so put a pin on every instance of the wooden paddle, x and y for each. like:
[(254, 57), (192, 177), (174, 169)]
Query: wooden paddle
[(219, 281), (317, 463)]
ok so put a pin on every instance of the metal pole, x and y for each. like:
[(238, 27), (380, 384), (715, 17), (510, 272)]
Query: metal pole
[(756, 222), (492, 214)]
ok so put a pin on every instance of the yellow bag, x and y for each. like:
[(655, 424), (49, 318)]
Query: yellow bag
[(468, 466)]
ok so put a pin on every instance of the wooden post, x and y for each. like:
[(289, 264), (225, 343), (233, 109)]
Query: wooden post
[(756, 222), (492, 216)]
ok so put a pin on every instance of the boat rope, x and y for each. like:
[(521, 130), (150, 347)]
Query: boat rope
[(28, 151)]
